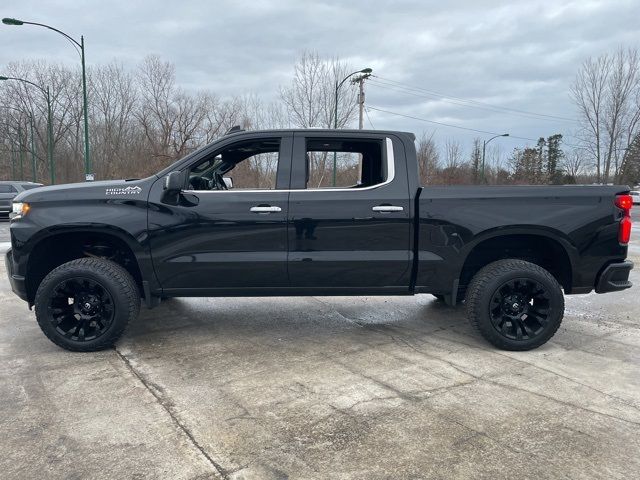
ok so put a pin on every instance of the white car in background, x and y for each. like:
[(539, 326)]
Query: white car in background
[(635, 194)]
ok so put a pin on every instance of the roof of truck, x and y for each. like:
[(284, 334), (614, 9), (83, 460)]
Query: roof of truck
[(321, 130)]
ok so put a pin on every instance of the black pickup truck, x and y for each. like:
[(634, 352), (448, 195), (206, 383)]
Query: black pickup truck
[(313, 212)]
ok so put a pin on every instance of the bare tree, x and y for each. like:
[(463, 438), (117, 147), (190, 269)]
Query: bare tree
[(428, 159), (574, 164), (606, 94), (114, 99), (66, 103), (455, 171), (310, 98), (157, 114)]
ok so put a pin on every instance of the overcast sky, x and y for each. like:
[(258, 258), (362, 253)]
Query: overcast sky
[(520, 54)]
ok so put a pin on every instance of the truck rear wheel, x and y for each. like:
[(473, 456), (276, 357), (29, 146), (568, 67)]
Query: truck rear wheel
[(85, 305), (515, 305)]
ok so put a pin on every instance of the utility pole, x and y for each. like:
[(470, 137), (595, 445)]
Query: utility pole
[(335, 112), (360, 81)]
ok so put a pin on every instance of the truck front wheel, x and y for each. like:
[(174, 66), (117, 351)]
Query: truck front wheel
[(85, 305), (514, 304)]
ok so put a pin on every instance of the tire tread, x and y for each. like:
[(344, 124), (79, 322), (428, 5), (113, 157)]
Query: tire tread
[(488, 274), (103, 267)]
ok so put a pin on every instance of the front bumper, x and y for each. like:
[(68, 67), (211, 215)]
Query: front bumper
[(18, 285), (614, 277)]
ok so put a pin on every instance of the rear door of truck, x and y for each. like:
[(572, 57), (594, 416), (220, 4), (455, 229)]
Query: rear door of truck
[(349, 226)]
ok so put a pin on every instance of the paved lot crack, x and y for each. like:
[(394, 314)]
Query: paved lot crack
[(405, 342), (553, 372), (168, 407)]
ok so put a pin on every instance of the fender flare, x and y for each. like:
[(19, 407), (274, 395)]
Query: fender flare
[(531, 230)]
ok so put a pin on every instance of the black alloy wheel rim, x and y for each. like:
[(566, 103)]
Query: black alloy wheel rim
[(520, 309), (81, 309)]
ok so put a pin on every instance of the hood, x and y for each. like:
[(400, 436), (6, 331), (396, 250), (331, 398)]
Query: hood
[(88, 190)]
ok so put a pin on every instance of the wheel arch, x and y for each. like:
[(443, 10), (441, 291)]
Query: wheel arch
[(545, 247), (58, 245)]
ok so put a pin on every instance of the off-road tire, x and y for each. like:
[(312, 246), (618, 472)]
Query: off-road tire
[(113, 278), (486, 283)]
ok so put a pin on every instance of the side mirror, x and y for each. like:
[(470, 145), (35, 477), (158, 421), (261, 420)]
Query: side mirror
[(228, 181), (174, 182)]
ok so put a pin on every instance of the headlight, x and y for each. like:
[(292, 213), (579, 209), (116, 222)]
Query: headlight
[(20, 209)]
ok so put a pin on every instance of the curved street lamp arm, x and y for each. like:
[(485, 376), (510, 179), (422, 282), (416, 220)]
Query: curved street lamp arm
[(345, 79), (68, 37), (29, 82)]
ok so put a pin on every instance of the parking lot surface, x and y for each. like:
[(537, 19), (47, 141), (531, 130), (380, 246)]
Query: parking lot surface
[(316, 387)]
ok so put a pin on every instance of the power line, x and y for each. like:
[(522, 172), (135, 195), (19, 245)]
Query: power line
[(395, 88), (458, 126), (366, 111), (465, 102), (446, 124), (468, 102)]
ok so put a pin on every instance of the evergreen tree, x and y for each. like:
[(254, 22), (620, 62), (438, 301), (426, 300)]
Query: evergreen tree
[(631, 163), (538, 172), (476, 160), (526, 166), (554, 160)]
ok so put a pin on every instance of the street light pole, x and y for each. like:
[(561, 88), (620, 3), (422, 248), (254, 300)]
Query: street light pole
[(335, 112), (47, 96), (87, 159), (20, 151), (52, 166), (34, 174), (484, 149)]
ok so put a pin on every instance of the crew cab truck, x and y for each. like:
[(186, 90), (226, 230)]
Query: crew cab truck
[(266, 213)]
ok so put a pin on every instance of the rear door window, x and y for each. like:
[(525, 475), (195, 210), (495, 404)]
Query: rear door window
[(344, 163)]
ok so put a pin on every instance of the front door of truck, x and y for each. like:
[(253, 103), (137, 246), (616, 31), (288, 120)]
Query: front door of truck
[(349, 212), (228, 228)]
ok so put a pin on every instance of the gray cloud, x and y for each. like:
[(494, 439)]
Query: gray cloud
[(517, 54)]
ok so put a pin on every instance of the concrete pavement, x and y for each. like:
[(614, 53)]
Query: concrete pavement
[(310, 387)]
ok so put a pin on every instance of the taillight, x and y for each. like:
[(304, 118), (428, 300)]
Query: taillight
[(624, 203), (624, 234)]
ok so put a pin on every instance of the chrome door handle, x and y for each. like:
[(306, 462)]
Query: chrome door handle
[(387, 208), (266, 209)]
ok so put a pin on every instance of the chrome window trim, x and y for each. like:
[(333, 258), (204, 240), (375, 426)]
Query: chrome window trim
[(391, 173)]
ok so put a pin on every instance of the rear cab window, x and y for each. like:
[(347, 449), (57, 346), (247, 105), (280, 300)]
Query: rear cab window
[(345, 163)]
